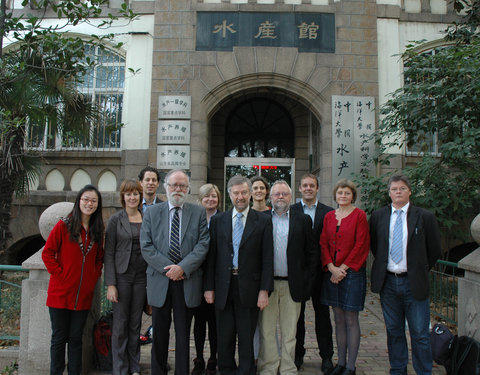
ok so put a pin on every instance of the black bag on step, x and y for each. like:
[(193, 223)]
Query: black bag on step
[(441, 340), (102, 342), (465, 357)]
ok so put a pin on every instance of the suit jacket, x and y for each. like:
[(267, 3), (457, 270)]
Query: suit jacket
[(118, 246), (302, 255), (423, 248), (255, 258), (194, 239), (320, 213)]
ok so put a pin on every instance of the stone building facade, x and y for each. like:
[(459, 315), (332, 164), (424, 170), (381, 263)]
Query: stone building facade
[(255, 106)]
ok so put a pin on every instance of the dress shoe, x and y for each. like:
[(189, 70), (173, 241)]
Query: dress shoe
[(198, 366), (327, 366), (298, 362), (348, 372), (338, 370), (211, 367)]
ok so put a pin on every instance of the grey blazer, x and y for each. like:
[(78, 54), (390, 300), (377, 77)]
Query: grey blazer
[(194, 242), (118, 246)]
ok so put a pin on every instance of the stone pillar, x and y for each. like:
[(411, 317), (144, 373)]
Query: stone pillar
[(469, 289), (35, 331)]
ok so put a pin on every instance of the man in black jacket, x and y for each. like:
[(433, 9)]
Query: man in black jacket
[(405, 241), (323, 327), (239, 276)]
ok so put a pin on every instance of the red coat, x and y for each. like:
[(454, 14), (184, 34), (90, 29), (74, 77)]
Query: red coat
[(73, 274), (350, 245)]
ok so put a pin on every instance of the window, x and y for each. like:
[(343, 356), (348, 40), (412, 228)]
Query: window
[(259, 127), (105, 85), (424, 142)]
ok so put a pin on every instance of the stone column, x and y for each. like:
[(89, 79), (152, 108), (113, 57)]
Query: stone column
[(35, 331), (469, 289)]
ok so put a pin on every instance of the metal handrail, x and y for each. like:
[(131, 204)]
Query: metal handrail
[(9, 294)]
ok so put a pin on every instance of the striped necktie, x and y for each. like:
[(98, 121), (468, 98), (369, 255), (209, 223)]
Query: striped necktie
[(396, 252), (174, 252), (236, 238)]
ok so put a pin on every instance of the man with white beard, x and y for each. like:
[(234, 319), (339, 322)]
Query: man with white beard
[(174, 240)]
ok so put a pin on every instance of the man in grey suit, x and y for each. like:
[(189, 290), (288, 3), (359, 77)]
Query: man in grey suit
[(174, 240), (405, 241)]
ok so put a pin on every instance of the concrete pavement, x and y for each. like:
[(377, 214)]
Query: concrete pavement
[(372, 357)]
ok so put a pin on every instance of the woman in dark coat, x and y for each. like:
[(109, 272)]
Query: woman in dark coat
[(126, 279)]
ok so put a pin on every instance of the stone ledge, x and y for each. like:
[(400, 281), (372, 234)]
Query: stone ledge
[(471, 262)]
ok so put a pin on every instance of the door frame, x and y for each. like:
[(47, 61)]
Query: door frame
[(281, 162)]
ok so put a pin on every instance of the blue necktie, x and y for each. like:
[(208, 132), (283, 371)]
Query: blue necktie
[(174, 252), (236, 238), (396, 252)]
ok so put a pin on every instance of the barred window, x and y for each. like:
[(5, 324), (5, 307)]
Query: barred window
[(105, 85)]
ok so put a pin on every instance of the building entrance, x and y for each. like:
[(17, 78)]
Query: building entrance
[(267, 133), (272, 169)]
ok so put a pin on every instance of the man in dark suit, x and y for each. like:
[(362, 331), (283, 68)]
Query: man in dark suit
[(174, 240), (323, 327), (239, 276), (150, 180), (294, 263), (405, 241)]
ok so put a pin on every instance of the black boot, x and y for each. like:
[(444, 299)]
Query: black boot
[(211, 367), (327, 366), (198, 366), (338, 370), (348, 372)]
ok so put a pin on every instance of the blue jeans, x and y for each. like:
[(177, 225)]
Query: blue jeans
[(67, 328), (398, 304)]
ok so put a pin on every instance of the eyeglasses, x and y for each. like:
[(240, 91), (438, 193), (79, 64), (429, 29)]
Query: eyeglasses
[(403, 189), (284, 194), (177, 186), (89, 200)]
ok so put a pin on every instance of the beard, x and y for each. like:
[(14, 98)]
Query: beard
[(280, 206), (176, 198)]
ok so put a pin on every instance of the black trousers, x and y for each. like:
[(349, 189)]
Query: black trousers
[(323, 326), (67, 328), (236, 320), (205, 314), (161, 320)]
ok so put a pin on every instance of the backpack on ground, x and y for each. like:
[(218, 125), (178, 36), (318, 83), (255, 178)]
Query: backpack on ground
[(102, 342), (441, 340), (465, 357)]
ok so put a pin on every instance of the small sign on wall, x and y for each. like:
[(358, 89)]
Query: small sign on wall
[(173, 132), (173, 156), (174, 107)]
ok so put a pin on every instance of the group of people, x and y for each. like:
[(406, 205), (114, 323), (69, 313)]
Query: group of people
[(246, 273)]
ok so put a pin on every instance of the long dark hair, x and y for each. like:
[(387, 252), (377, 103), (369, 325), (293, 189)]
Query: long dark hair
[(74, 219)]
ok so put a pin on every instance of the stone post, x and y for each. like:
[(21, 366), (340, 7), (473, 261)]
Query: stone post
[(35, 329), (469, 289)]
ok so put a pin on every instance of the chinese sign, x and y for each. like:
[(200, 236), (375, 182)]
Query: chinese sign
[(173, 131), (174, 107), (353, 123), (172, 157), (309, 32)]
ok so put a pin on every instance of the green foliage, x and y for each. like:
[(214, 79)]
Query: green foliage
[(441, 95), (10, 370), (39, 74)]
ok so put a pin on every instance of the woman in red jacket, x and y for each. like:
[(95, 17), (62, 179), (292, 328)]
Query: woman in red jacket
[(73, 255), (345, 243)]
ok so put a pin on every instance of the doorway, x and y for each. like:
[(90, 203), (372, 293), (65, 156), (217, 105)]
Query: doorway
[(272, 169)]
